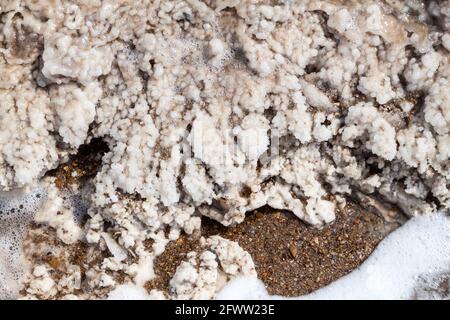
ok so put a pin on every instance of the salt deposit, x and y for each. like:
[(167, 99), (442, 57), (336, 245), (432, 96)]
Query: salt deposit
[(213, 108)]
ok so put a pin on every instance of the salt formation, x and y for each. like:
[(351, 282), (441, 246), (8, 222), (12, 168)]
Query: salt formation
[(201, 277), (219, 107)]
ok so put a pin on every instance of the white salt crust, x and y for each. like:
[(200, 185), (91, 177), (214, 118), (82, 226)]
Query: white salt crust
[(216, 108)]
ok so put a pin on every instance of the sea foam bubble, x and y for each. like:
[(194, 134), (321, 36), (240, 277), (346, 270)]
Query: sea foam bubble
[(17, 209)]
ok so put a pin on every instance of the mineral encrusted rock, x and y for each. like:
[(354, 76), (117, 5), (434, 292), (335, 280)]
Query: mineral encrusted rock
[(217, 108)]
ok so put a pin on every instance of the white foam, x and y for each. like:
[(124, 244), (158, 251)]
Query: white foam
[(243, 288), (128, 292), (409, 257), (16, 212)]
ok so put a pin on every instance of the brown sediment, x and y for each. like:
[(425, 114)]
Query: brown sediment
[(167, 263), (26, 43), (43, 247), (81, 166), (291, 258)]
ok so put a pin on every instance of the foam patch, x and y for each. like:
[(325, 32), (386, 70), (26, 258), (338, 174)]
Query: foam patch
[(17, 209), (128, 292)]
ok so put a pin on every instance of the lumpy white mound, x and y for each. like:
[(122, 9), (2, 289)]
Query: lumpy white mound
[(202, 276), (214, 108), (412, 256)]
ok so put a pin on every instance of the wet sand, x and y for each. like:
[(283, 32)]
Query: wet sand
[(291, 258)]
